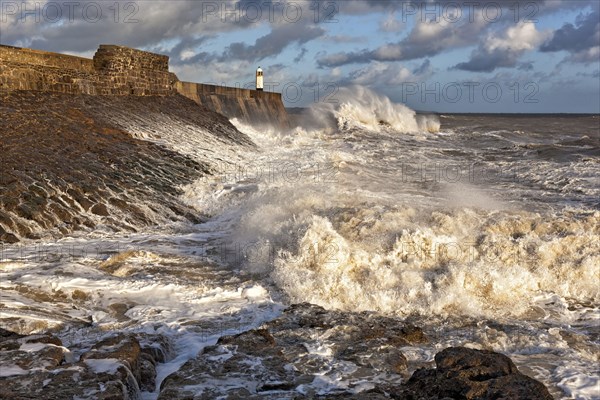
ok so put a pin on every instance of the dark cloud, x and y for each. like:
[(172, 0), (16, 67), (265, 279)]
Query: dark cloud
[(274, 42), (300, 56), (594, 74), (423, 68), (525, 66), (142, 24), (181, 51), (427, 39), (482, 61), (583, 35), (154, 22), (582, 40), (358, 7)]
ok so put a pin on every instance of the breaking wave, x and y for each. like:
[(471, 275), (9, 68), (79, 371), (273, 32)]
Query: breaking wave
[(357, 107), (478, 264)]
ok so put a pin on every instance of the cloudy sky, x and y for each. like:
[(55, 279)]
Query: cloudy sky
[(448, 56)]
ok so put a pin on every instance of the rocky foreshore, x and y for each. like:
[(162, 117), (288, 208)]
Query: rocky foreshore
[(305, 353)]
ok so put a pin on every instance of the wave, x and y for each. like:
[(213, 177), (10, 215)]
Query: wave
[(357, 107), (462, 263), (368, 240), (418, 261)]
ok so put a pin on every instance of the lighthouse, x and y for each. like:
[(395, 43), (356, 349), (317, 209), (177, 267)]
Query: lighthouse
[(259, 79)]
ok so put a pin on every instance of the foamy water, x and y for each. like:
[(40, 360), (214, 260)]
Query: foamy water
[(485, 236)]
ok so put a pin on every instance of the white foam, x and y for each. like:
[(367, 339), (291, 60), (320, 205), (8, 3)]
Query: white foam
[(105, 365), (358, 107)]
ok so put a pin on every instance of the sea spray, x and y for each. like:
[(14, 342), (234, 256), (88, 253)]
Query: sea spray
[(357, 107)]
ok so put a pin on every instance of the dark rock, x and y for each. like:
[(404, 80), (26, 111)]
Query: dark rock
[(118, 310), (8, 335), (8, 238), (158, 347), (25, 353), (464, 373), (100, 209), (147, 372), (75, 381), (255, 341), (293, 356)]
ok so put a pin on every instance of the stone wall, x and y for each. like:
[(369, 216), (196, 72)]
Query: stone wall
[(27, 69), (122, 71), (126, 71), (11, 54), (247, 105)]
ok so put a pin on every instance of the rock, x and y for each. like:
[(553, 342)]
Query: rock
[(124, 348), (294, 355), (159, 347), (6, 335), (100, 209), (36, 352), (118, 310), (79, 295), (147, 372), (75, 381), (308, 350), (464, 373), (8, 238), (115, 368)]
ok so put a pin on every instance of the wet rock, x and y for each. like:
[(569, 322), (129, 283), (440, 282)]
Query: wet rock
[(296, 355), (59, 177), (464, 373), (7, 237), (118, 310), (147, 372), (72, 382), (22, 357), (79, 295), (124, 348), (158, 347), (115, 368), (6, 335), (312, 353), (100, 209)]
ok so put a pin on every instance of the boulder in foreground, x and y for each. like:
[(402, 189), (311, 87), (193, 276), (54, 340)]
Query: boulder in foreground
[(464, 373)]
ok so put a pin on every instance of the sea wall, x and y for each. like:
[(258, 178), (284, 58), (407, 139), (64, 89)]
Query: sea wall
[(27, 69), (114, 70), (252, 106), (122, 71)]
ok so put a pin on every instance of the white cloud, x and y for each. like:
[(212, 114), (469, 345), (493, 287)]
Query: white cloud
[(521, 37), (503, 49)]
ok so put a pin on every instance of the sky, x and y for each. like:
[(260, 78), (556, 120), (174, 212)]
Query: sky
[(505, 56)]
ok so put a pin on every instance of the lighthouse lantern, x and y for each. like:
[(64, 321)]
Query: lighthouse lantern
[(259, 79)]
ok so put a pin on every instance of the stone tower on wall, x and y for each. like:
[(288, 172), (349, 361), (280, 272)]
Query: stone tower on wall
[(129, 71)]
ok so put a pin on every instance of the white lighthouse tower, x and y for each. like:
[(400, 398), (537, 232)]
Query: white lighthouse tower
[(259, 79)]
